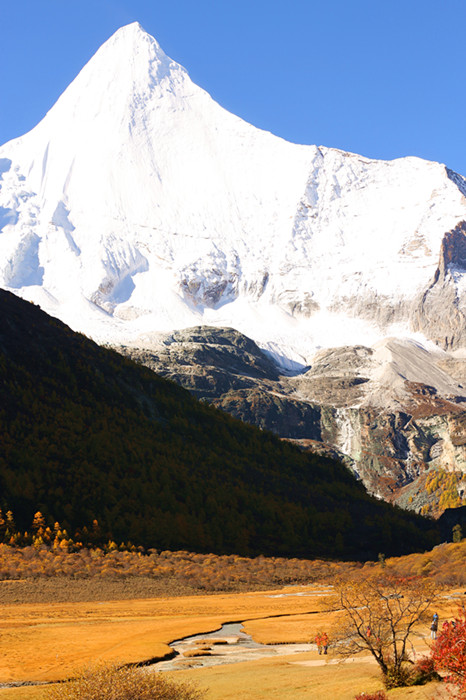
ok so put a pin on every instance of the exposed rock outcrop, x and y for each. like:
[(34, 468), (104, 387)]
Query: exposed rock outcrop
[(366, 405)]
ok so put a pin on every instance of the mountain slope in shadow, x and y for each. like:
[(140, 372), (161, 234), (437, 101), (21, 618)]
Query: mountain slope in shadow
[(87, 434)]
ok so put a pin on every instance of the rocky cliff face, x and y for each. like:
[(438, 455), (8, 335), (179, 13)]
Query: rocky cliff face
[(364, 405), (441, 311)]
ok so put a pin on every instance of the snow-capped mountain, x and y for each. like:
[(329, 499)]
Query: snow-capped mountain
[(139, 205)]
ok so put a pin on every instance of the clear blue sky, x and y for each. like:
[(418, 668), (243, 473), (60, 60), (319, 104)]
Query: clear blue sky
[(381, 78)]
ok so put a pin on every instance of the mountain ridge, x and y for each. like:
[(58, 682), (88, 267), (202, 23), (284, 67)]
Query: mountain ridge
[(139, 204)]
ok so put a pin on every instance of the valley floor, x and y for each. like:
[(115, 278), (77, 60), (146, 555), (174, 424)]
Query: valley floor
[(49, 641)]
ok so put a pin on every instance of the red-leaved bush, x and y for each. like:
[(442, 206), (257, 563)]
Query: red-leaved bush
[(378, 695), (425, 664), (449, 652), (423, 671)]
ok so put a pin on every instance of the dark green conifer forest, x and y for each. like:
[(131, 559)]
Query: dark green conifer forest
[(86, 434)]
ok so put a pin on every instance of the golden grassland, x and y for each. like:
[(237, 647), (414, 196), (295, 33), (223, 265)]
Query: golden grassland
[(279, 679), (49, 641), (50, 627), (286, 679)]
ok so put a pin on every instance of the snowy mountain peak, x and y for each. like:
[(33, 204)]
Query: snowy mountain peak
[(117, 81), (132, 40), (138, 204), (127, 37), (133, 31), (132, 50)]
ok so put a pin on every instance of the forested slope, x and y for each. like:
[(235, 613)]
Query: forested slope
[(87, 434)]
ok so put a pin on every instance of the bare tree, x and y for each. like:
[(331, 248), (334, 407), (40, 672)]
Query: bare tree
[(380, 617)]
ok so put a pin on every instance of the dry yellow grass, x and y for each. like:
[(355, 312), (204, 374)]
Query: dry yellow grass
[(46, 641), (283, 679), (290, 629), (278, 679), (41, 642), (24, 693)]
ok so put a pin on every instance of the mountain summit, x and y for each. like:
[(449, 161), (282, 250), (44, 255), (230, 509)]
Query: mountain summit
[(138, 205)]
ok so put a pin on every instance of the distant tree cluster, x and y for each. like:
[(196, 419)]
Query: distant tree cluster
[(46, 552), (52, 536), (445, 564), (445, 485)]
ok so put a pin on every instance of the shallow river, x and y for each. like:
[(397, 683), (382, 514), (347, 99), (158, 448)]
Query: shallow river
[(227, 645)]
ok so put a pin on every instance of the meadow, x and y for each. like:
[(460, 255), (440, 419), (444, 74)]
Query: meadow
[(62, 611)]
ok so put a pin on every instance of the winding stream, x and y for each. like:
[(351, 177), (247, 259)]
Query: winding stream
[(228, 645)]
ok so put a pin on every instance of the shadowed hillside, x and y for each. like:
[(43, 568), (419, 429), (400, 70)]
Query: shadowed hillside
[(87, 434)]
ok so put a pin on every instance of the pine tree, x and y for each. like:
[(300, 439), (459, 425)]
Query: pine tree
[(38, 522)]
